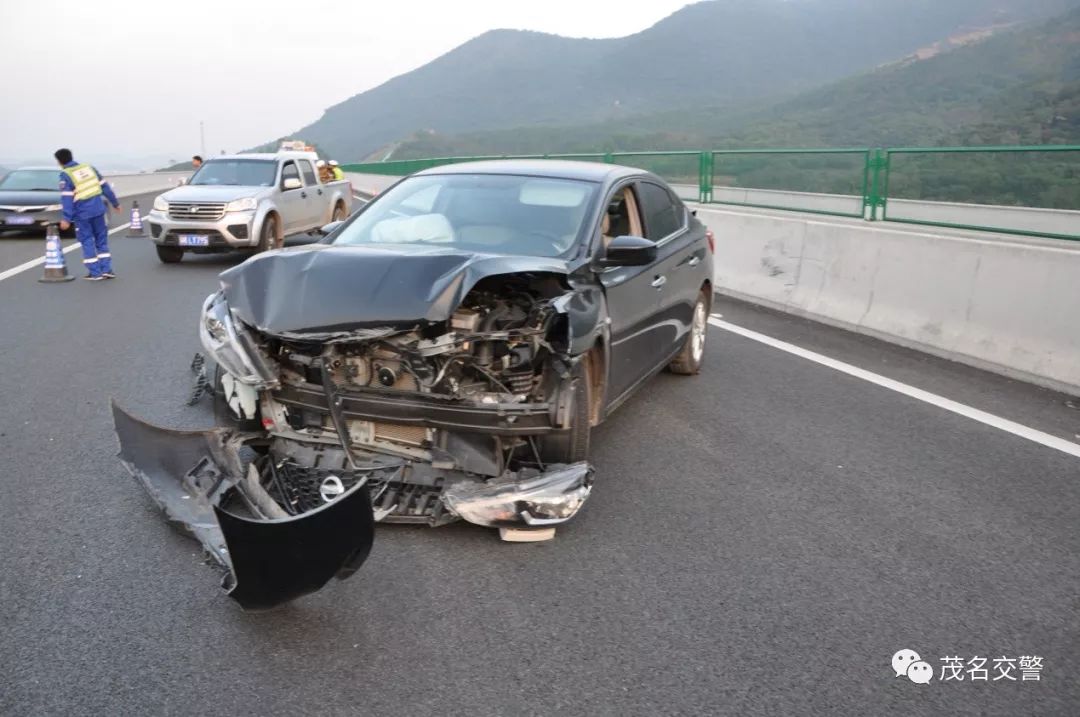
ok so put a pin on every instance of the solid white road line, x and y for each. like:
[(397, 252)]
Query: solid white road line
[(38, 262), (989, 419)]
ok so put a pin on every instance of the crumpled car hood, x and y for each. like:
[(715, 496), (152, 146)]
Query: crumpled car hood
[(328, 288)]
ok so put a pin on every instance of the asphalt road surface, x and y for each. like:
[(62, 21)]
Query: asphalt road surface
[(761, 540)]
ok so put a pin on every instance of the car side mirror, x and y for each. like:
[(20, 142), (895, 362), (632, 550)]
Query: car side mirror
[(291, 183), (629, 251), (330, 228)]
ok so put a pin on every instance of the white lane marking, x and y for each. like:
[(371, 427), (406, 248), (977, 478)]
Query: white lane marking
[(38, 262), (989, 419)]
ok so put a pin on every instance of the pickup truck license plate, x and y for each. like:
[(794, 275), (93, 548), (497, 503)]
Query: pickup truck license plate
[(16, 219), (194, 240)]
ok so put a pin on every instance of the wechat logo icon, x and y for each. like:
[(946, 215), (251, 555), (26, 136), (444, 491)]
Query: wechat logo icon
[(908, 662)]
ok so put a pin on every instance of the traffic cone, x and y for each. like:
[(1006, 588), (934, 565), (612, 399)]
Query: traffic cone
[(136, 228), (55, 266)]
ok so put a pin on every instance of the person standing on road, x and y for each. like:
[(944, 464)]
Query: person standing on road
[(336, 169), (81, 190)]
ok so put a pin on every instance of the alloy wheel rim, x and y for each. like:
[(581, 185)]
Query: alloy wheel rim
[(697, 333)]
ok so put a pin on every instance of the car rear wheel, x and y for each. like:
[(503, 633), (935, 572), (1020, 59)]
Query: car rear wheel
[(688, 361), (268, 234), (169, 254), (339, 213)]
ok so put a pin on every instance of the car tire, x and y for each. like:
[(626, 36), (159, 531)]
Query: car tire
[(339, 214), (572, 445), (689, 359), (268, 234), (169, 254)]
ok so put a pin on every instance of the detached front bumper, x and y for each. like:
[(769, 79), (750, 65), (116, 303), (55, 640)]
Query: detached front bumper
[(199, 480), (234, 230)]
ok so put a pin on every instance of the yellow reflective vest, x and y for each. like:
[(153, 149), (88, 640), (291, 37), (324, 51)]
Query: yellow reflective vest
[(85, 180)]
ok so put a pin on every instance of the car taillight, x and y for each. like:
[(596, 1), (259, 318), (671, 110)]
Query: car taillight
[(711, 238)]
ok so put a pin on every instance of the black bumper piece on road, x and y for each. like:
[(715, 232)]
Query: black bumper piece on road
[(191, 474)]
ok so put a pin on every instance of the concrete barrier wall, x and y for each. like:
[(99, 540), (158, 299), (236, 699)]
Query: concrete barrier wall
[(1025, 219), (370, 183), (1008, 305), (127, 184), (840, 203)]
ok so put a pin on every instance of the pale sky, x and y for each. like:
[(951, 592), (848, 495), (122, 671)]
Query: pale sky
[(124, 79)]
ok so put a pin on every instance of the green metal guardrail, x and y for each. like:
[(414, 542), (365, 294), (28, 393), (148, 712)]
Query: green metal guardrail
[(1020, 190)]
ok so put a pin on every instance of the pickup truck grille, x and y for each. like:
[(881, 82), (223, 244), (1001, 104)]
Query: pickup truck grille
[(210, 211)]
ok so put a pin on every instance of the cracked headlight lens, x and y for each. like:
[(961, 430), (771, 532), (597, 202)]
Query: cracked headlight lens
[(224, 340)]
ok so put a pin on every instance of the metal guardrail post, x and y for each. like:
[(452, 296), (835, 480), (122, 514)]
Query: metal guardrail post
[(705, 177), (609, 158), (876, 180)]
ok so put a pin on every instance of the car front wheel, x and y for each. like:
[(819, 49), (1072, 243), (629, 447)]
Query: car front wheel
[(572, 444), (688, 361), (268, 234), (169, 254)]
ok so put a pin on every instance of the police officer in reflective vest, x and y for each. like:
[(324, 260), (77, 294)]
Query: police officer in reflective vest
[(82, 193)]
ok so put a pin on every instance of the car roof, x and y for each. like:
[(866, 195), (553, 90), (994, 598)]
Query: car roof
[(553, 168)]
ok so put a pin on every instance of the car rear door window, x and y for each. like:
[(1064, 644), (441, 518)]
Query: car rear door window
[(663, 213), (309, 173)]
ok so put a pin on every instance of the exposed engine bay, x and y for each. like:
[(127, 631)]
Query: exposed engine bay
[(498, 352)]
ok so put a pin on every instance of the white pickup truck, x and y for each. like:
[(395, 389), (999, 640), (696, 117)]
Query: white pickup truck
[(245, 201)]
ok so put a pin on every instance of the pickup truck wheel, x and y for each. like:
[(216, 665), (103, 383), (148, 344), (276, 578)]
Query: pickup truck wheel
[(339, 213), (268, 234), (169, 254), (688, 361)]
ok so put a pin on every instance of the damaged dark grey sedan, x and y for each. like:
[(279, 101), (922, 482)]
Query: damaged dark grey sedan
[(441, 355)]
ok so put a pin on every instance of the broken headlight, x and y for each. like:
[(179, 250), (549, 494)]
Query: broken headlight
[(227, 342), (545, 499)]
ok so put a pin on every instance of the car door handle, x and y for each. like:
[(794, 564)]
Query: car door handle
[(303, 195), (320, 192), (658, 282), (694, 262)]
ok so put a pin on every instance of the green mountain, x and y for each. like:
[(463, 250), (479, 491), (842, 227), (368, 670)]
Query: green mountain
[(1019, 86), (722, 54)]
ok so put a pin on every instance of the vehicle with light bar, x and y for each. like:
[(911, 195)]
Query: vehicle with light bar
[(245, 201)]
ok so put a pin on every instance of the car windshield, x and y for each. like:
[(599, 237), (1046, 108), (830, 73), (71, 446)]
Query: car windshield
[(32, 180), (489, 213), (236, 172)]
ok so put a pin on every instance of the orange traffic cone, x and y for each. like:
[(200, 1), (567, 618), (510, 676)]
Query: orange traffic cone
[(55, 266), (136, 228)]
